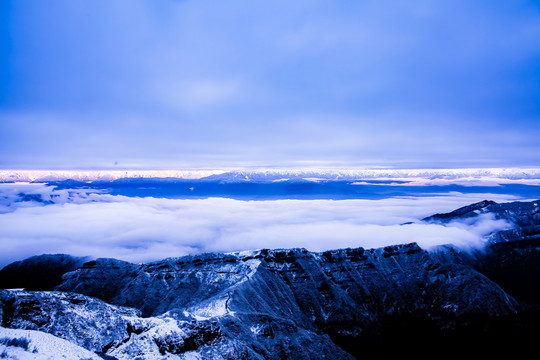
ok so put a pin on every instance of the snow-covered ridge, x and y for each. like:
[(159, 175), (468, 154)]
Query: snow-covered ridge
[(269, 174), (105, 175), (314, 173)]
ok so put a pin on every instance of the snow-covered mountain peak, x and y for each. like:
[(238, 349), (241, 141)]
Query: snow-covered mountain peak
[(268, 174)]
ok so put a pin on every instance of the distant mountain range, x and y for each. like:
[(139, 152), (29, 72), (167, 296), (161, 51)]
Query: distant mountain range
[(272, 174), (290, 303), (269, 184)]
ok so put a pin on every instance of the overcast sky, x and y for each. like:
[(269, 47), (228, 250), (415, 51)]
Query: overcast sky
[(196, 83)]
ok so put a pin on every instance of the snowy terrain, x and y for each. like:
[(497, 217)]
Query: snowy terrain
[(99, 175), (37, 345), (272, 174)]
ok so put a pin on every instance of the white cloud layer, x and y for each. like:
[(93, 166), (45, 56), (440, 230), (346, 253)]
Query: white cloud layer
[(146, 229)]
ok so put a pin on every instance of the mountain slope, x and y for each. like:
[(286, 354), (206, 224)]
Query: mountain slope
[(292, 294), (512, 257), (36, 345)]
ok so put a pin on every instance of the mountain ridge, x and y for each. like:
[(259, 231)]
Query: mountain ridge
[(266, 174)]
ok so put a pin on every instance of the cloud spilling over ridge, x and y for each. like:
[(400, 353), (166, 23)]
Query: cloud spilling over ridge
[(146, 229)]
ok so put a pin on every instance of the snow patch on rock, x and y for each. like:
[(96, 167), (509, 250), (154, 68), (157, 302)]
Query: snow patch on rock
[(37, 345)]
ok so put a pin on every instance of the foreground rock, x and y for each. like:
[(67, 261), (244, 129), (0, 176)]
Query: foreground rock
[(42, 272), (282, 300)]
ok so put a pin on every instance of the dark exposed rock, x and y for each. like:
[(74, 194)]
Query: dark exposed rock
[(512, 257), (525, 216), (89, 322), (42, 272), (463, 212), (515, 266), (347, 294)]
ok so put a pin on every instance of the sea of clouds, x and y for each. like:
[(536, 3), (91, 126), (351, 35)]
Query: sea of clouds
[(36, 219)]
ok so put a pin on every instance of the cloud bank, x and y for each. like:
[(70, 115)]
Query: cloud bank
[(146, 229)]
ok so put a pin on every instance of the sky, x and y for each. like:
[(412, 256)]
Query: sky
[(214, 84)]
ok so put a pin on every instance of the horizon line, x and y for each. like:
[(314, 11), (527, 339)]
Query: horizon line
[(261, 168)]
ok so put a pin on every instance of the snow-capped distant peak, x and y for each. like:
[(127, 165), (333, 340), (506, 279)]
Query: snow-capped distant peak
[(272, 174), (95, 175)]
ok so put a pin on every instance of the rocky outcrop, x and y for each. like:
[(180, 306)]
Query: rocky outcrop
[(281, 282), (85, 321), (120, 333), (267, 304), (523, 215), (511, 257), (42, 272), (267, 296)]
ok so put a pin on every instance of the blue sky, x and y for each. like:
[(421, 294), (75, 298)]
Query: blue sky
[(190, 84)]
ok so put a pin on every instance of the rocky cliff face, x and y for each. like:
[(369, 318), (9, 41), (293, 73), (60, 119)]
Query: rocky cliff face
[(512, 257), (88, 322), (375, 280), (525, 217), (294, 304), (343, 295)]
